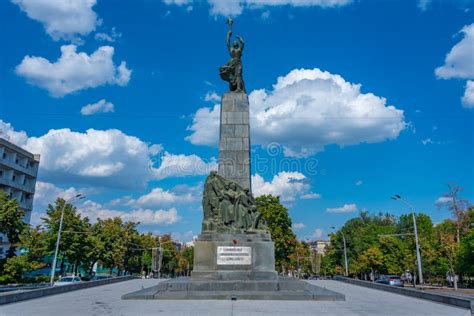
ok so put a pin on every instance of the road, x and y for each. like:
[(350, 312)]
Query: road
[(105, 300)]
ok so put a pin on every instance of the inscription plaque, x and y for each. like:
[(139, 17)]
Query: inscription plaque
[(234, 255)]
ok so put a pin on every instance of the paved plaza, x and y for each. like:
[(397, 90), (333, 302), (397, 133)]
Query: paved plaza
[(105, 300)]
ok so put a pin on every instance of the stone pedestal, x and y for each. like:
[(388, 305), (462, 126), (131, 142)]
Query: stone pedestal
[(234, 138), (226, 257)]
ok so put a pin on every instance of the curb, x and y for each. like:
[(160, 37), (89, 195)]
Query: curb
[(32, 294), (434, 297)]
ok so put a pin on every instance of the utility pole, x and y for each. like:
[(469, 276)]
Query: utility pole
[(418, 255), (346, 263), (53, 267), (345, 254)]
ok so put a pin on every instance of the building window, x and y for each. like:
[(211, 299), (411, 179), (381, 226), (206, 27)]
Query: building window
[(16, 160), (24, 181), (14, 178), (1, 173), (4, 155)]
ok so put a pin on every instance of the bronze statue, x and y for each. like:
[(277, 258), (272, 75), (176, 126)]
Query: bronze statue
[(229, 208), (232, 71)]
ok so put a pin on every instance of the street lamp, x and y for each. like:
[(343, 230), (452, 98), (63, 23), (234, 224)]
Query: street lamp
[(418, 255), (53, 267), (346, 265)]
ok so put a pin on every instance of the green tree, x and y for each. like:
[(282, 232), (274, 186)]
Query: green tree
[(15, 267), (279, 224), (170, 255), (370, 260), (74, 234), (11, 221), (466, 255)]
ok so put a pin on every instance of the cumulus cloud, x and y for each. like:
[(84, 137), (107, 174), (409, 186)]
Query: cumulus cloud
[(8, 132), (105, 158), (346, 208), (359, 183), (103, 106), (74, 71), (459, 62), (298, 226), (236, 7), (144, 209), (62, 19), (307, 110), (183, 165), (112, 37), (159, 197), (99, 157), (287, 185), (212, 96), (468, 98), (205, 127), (94, 210), (318, 233), (444, 200), (310, 196)]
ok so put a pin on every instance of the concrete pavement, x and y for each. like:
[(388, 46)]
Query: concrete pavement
[(105, 300)]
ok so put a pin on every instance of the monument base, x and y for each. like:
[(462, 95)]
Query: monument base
[(235, 266), (234, 257), (283, 288)]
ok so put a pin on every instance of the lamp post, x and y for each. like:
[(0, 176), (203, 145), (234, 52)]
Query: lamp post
[(53, 267), (346, 265), (418, 255)]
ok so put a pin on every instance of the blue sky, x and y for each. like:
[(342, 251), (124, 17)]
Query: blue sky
[(351, 102)]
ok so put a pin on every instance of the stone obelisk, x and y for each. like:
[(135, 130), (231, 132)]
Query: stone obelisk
[(234, 139)]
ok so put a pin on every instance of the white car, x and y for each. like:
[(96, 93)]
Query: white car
[(68, 280)]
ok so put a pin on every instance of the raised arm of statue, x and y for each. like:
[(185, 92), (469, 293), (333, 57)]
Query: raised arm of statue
[(242, 43)]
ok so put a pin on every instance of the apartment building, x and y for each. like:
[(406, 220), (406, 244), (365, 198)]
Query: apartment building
[(18, 172)]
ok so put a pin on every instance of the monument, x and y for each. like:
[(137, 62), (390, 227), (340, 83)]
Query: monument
[(234, 256)]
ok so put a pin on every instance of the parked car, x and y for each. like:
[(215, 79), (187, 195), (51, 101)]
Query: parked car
[(393, 280), (68, 280)]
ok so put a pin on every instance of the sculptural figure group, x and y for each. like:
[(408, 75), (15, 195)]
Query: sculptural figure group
[(229, 208)]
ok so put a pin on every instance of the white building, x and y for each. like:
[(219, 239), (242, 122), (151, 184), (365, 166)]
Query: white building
[(18, 171), (319, 246)]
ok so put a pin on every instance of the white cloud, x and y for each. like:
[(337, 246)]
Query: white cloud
[(468, 98), (287, 185), (99, 157), (103, 106), (178, 2), (444, 200), (212, 96), (74, 71), (159, 197), (8, 132), (311, 196), (112, 37), (235, 7), (205, 127), (318, 233), (62, 19), (105, 158), (359, 183), (183, 165), (95, 210), (298, 226), (307, 110), (347, 208), (459, 62)]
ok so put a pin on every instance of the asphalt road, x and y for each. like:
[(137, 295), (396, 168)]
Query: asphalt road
[(105, 300)]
